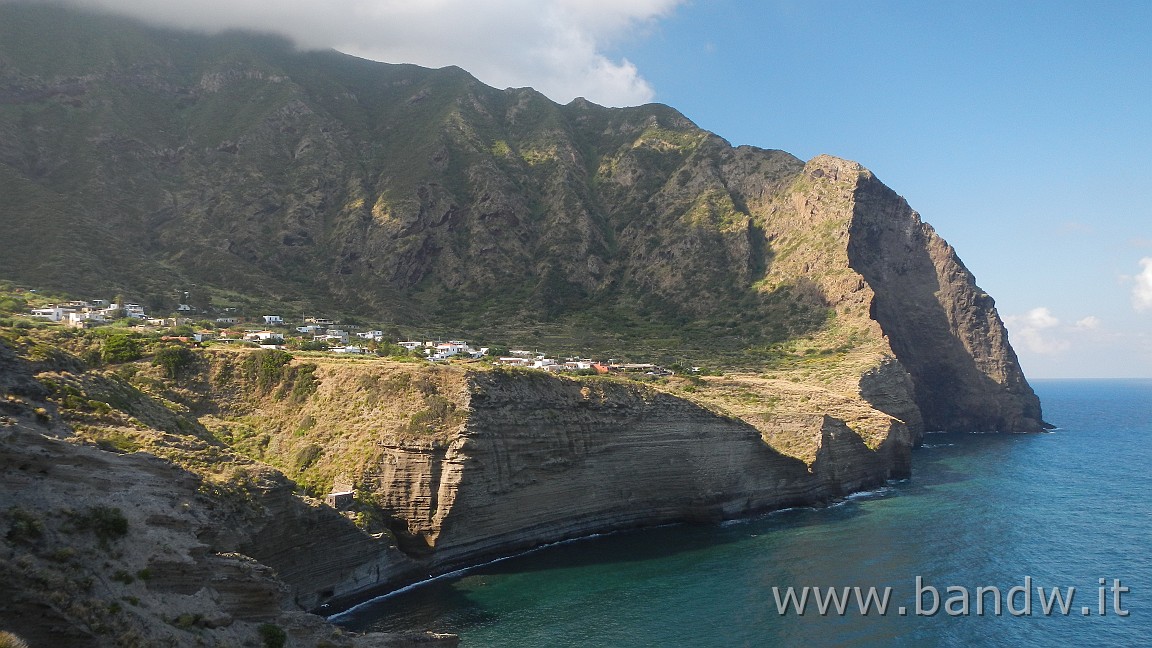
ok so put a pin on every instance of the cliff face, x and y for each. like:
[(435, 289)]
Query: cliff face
[(943, 328), (542, 459)]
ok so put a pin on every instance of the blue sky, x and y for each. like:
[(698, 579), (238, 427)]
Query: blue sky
[(1019, 130), (1022, 131)]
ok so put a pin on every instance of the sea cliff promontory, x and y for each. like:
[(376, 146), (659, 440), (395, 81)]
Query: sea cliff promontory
[(159, 490)]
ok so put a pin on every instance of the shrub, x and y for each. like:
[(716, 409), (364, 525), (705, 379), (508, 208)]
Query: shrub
[(105, 522), (119, 443), (304, 383), (174, 359), (120, 347), (306, 456), (266, 367), (273, 635), (187, 621), (25, 526)]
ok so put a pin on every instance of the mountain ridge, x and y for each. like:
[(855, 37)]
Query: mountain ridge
[(238, 173)]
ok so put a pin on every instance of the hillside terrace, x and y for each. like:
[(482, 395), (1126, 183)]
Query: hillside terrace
[(322, 335)]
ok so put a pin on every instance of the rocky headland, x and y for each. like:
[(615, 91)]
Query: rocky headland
[(146, 503)]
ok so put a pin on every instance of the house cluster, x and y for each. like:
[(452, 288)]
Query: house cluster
[(437, 351), (533, 360), (337, 339), (86, 314)]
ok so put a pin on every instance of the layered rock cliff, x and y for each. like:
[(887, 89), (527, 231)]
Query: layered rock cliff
[(541, 459)]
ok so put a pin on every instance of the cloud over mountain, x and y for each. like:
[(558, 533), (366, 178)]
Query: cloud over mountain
[(556, 46)]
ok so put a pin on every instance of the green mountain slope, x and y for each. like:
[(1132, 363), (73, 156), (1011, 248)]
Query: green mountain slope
[(144, 161), (420, 196)]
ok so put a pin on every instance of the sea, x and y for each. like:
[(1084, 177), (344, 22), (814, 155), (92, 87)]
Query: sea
[(985, 518)]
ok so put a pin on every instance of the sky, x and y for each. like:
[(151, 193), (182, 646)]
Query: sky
[(1021, 130)]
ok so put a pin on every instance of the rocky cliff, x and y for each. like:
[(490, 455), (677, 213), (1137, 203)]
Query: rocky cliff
[(944, 329), (244, 174), (541, 459), (105, 544)]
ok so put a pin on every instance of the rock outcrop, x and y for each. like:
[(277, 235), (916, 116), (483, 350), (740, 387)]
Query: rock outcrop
[(542, 459), (943, 328)]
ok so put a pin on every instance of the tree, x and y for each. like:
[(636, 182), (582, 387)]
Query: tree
[(120, 348), (174, 359)]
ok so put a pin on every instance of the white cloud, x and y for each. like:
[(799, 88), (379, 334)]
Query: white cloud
[(1090, 323), (1142, 289), (555, 46), (1031, 330)]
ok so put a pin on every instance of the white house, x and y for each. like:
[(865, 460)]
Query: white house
[(514, 361), (410, 345), (273, 320), (261, 335), (85, 319), (54, 313)]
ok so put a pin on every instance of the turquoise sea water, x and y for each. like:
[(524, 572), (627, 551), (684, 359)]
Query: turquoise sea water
[(1065, 509)]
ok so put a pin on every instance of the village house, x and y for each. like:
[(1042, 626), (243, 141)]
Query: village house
[(52, 313), (86, 319), (169, 321), (512, 361), (273, 320), (335, 335), (135, 311), (262, 336)]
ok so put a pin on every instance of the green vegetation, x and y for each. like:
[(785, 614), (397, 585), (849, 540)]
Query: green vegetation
[(121, 347), (118, 441), (273, 635), (267, 367), (616, 233), (174, 359), (438, 413), (105, 522), (23, 526)]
